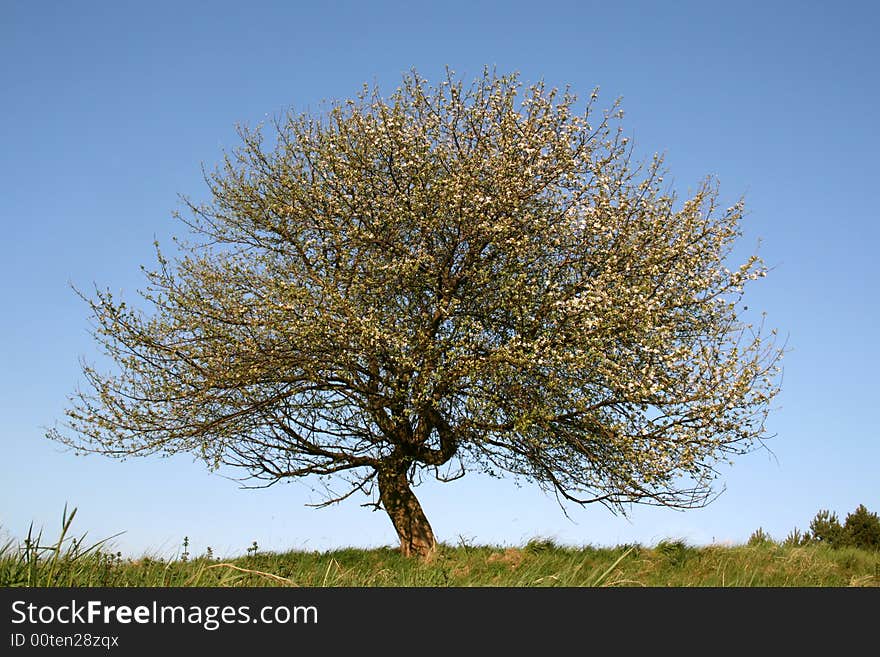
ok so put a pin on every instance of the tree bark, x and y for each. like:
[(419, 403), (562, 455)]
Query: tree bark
[(401, 505)]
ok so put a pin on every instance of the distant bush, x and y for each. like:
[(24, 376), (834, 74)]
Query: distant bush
[(825, 528), (539, 545), (796, 538), (675, 552), (862, 529), (760, 538)]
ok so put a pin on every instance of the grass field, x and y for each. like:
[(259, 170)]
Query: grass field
[(68, 561)]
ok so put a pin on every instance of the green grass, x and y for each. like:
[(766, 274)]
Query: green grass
[(69, 561)]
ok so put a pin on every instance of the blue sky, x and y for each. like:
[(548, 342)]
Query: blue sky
[(109, 109)]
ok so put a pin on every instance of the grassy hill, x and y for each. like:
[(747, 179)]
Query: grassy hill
[(539, 563)]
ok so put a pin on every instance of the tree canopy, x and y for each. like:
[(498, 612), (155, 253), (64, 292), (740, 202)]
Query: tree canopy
[(452, 278)]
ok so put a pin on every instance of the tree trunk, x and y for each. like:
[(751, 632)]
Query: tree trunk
[(416, 537)]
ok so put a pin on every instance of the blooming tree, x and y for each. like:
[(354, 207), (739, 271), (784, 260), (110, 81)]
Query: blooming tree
[(453, 278)]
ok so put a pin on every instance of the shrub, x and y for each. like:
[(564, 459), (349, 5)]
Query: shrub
[(796, 538), (539, 545), (760, 538), (862, 529), (825, 528), (675, 552)]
